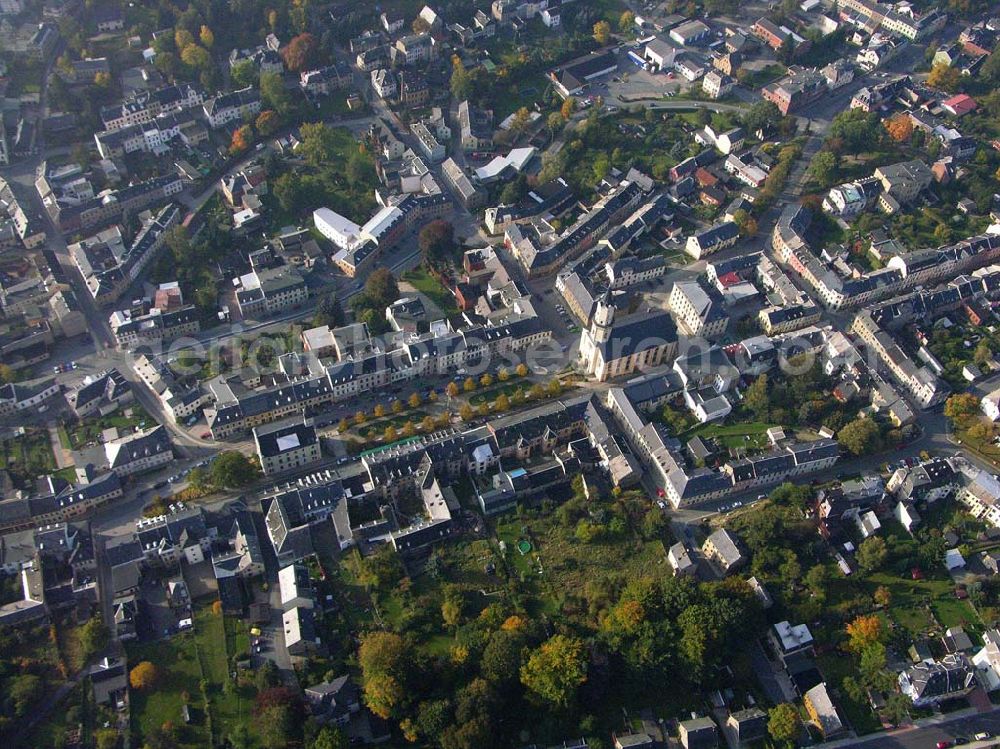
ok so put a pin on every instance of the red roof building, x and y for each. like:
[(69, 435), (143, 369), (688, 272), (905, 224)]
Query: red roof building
[(959, 105)]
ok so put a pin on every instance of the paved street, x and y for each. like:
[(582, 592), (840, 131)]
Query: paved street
[(927, 733)]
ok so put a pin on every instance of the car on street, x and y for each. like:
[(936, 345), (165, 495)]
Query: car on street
[(943, 745), (983, 736)]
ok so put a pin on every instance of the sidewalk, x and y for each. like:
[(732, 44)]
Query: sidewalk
[(63, 457), (935, 720)]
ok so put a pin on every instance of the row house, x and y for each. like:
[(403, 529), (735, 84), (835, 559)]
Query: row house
[(926, 389), (153, 329), (326, 80), (236, 106), (139, 452), (431, 354), (144, 107), (108, 208), (59, 502)]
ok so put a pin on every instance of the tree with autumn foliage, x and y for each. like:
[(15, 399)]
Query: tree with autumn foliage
[(899, 127), (207, 37), (384, 659), (568, 107), (300, 53), (555, 670), (242, 137), (602, 32), (960, 408), (863, 631), (944, 77), (144, 676), (196, 57), (267, 122)]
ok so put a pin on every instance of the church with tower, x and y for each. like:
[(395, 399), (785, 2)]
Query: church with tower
[(616, 347)]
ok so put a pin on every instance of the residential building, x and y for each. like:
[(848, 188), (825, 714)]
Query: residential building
[(699, 311), (235, 106), (143, 108), (285, 447), (267, 292), (822, 712), (795, 91), (475, 127), (680, 560), (723, 548), (715, 238), (103, 392), (929, 683), (717, 85), (906, 180), (139, 452), (747, 726), (697, 733)]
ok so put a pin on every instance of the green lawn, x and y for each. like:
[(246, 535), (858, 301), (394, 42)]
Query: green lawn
[(180, 673), (184, 660), (27, 456), (733, 435), (430, 287), (231, 706), (491, 394), (559, 565), (924, 606), (90, 429), (753, 79)]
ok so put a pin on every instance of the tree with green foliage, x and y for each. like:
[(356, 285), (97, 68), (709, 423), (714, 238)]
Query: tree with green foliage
[(783, 723), (243, 74), (816, 579), (94, 637), (501, 659), (233, 469), (990, 69), (861, 436), (872, 554), (515, 190), (24, 691), (382, 569), (267, 676), (961, 407), (762, 115), (329, 312), (944, 77), (318, 143), (823, 168), (897, 708), (330, 738), (274, 95), (461, 81), (555, 670), (436, 242), (381, 288), (855, 131), (277, 726), (106, 738), (385, 660), (757, 399)]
